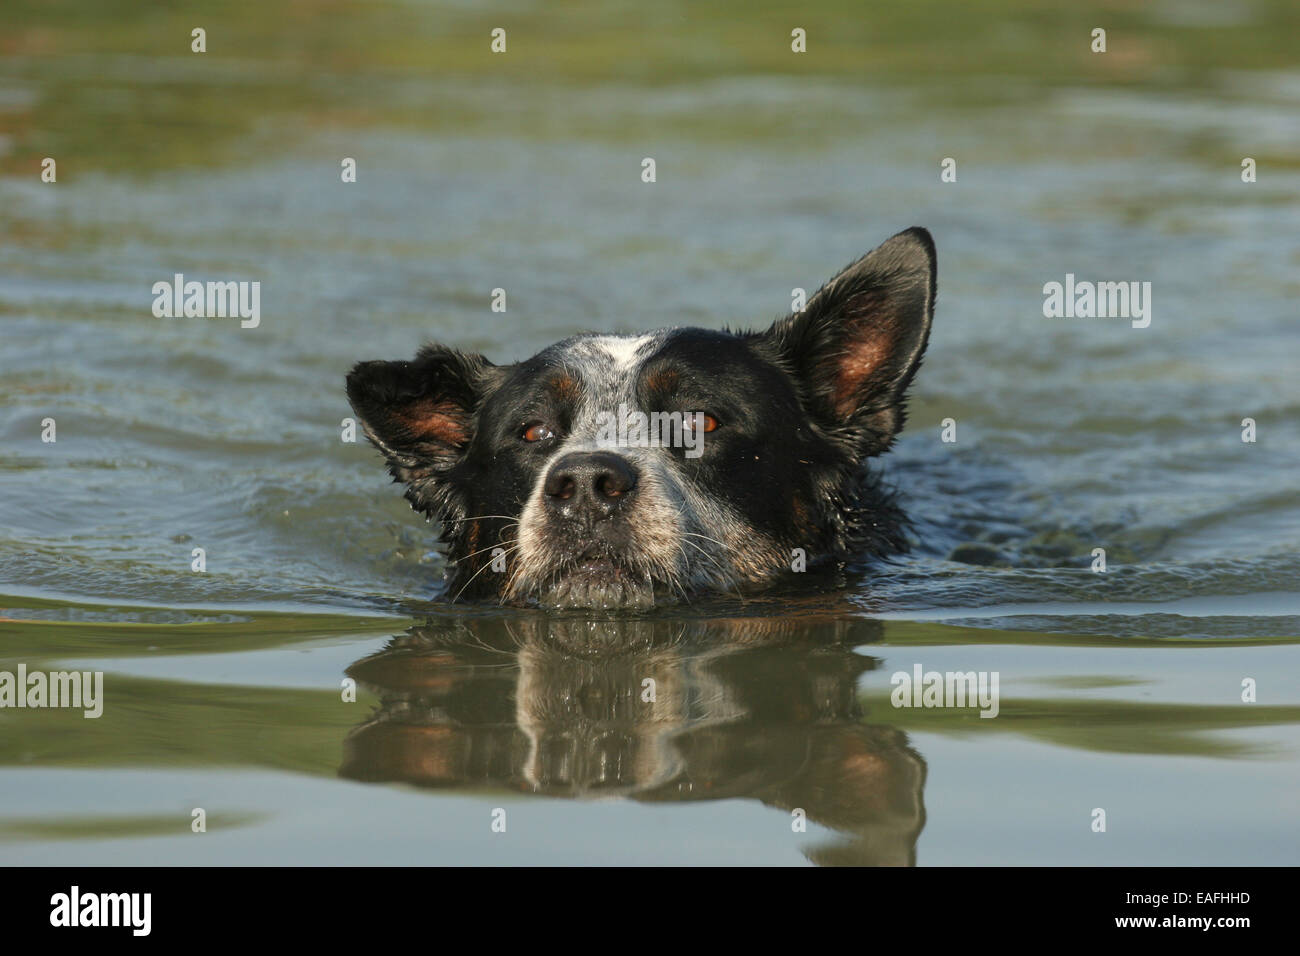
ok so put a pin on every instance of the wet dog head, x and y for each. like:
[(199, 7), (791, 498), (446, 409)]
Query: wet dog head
[(621, 471)]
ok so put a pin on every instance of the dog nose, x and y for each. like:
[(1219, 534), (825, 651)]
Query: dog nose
[(588, 482)]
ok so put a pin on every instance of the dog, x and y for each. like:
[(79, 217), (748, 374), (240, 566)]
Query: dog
[(753, 467)]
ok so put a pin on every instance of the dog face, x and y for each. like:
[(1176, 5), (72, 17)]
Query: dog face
[(625, 471)]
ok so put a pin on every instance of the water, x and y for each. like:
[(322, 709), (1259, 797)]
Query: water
[(1120, 690)]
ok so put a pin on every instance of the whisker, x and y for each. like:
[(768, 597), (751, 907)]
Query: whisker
[(484, 567), (500, 544), (511, 518), (730, 590), (705, 537)]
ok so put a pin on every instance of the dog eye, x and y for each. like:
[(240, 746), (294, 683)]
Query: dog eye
[(710, 423), (537, 431)]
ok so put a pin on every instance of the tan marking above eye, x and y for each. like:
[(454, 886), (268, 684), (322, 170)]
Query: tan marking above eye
[(565, 388), (538, 431), (662, 380)]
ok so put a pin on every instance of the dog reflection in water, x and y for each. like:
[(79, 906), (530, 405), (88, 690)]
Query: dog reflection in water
[(656, 711)]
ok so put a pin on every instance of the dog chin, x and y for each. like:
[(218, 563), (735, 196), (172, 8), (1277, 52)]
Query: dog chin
[(600, 583)]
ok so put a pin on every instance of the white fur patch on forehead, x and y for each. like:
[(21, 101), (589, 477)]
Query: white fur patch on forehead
[(607, 367), (606, 364), (625, 350)]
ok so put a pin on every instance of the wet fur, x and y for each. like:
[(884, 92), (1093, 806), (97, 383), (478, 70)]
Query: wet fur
[(803, 405)]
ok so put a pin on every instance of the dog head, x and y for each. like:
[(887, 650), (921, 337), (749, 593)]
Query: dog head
[(623, 471)]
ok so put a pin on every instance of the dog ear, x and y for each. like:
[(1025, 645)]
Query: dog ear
[(856, 346), (420, 414)]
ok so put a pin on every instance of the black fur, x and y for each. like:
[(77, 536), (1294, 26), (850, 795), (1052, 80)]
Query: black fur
[(799, 408)]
